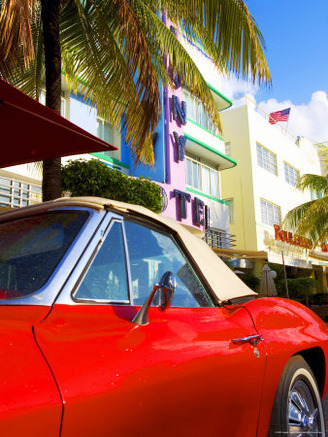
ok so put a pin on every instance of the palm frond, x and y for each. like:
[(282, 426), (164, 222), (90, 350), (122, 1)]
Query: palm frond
[(238, 43), (116, 53), (294, 216), (310, 220), (323, 151), (102, 75), (170, 53), (30, 79), (15, 31), (35, 169), (313, 182)]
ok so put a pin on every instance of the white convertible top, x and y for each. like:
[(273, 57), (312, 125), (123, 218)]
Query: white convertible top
[(224, 283)]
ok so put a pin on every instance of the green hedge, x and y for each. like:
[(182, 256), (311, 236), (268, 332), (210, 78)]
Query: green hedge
[(298, 288), (251, 281), (94, 178)]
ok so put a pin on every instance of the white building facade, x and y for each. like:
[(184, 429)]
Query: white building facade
[(262, 188)]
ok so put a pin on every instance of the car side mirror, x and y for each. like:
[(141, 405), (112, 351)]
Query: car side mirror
[(166, 288)]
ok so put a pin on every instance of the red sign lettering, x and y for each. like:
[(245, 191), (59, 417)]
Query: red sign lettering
[(288, 237)]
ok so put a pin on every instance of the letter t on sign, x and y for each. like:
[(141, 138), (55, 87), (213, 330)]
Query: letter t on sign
[(183, 197)]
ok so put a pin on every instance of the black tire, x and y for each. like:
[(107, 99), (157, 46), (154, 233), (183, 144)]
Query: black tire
[(297, 409)]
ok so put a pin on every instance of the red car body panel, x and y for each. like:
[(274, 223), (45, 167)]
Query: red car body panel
[(288, 328), (179, 375), (81, 369), (181, 371), (30, 404)]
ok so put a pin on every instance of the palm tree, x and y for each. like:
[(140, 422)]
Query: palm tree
[(116, 53), (21, 44), (311, 218)]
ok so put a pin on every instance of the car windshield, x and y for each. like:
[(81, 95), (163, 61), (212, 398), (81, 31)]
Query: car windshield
[(32, 247)]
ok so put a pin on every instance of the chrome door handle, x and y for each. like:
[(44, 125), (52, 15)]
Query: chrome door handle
[(252, 339)]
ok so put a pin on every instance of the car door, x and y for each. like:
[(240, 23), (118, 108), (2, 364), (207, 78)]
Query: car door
[(30, 404), (180, 374)]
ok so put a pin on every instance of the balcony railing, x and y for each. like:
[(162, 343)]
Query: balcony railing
[(219, 239)]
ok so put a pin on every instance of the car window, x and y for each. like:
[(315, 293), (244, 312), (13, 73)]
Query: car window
[(32, 247), (151, 254), (106, 278)]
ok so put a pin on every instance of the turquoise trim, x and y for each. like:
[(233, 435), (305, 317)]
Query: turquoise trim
[(109, 159), (191, 190), (205, 129), (217, 92), (210, 149)]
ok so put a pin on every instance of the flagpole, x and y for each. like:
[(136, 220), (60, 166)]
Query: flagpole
[(285, 274), (288, 120)]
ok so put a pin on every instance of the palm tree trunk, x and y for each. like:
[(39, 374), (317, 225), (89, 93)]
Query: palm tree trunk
[(51, 183)]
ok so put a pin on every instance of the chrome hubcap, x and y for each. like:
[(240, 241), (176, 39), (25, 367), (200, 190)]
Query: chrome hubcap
[(303, 412)]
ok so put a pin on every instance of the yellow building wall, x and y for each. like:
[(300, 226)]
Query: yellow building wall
[(249, 183), (236, 183)]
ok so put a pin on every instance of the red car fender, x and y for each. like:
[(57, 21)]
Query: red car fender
[(288, 328), (30, 404)]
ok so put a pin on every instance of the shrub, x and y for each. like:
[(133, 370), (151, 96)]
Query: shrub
[(250, 280), (95, 178), (298, 288), (279, 269)]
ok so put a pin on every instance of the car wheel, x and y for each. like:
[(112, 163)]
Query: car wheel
[(297, 409)]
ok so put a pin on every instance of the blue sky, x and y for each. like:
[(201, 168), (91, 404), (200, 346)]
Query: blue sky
[(296, 36)]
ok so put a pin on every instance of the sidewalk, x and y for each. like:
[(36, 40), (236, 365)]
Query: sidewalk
[(325, 409)]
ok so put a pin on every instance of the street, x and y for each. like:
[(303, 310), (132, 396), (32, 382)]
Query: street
[(325, 407)]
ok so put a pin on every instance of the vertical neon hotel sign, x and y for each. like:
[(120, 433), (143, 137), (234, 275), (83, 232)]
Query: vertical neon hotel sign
[(179, 113)]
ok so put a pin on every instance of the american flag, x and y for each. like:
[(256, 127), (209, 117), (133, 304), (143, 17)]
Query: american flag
[(283, 115)]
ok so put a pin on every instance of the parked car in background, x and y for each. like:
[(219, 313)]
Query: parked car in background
[(115, 322)]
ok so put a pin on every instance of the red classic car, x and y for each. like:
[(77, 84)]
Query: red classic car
[(118, 322)]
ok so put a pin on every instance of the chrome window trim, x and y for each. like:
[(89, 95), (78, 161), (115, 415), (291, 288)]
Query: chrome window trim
[(66, 297), (128, 266), (49, 292)]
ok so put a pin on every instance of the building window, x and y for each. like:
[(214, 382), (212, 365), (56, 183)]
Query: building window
[(107, 132), (227, 147), (196, 112), (202, 177), (291, 174), (231, 210), (270, 213), (15, 193), (266, 159)]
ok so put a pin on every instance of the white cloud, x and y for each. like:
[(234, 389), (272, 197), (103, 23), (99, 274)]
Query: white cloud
[(234, 88), (309, 120)]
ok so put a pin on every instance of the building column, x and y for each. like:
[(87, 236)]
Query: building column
[(324, 279), (258, 267)]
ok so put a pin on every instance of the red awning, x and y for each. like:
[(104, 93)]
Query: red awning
[(31, 132)]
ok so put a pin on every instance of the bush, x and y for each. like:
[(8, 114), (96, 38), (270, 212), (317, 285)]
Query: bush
[(298, 288), (279, 269), (95, 178), (250, 280)]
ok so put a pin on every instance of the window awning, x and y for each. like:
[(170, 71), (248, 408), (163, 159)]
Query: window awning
[(32, 132), (244, 254), (322, 256)]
